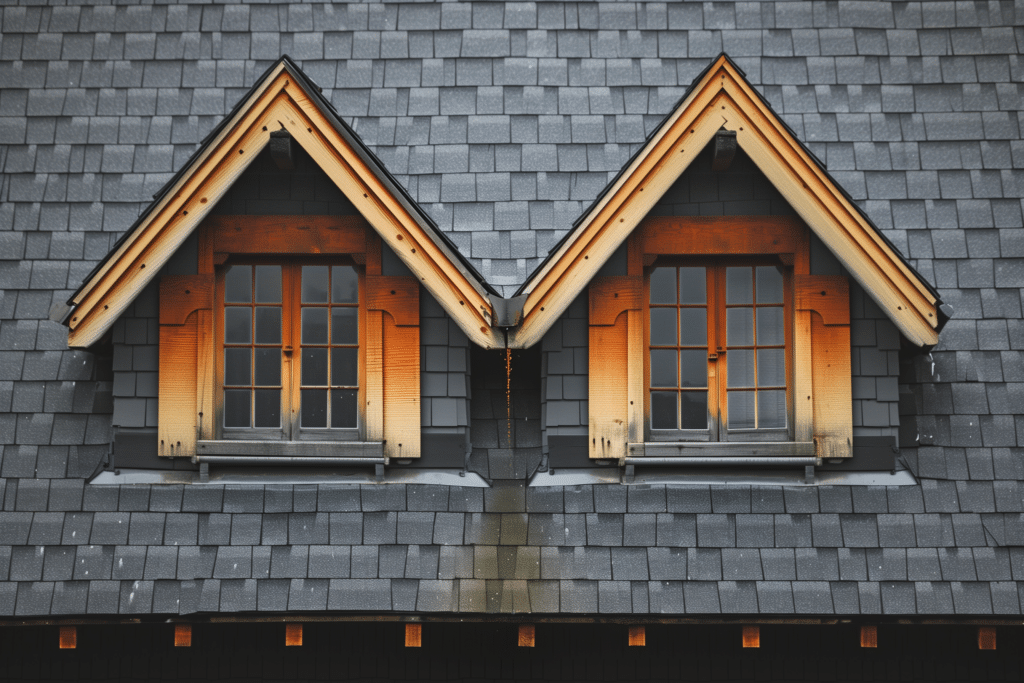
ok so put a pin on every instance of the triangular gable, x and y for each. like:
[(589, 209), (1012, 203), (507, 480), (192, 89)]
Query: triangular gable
[(722, 98), (283, 97)]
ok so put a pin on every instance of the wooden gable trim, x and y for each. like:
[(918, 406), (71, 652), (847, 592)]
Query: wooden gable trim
[(280, 102), (723, 99)]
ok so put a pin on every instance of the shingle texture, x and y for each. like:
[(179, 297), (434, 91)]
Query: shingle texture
[(504, 121)]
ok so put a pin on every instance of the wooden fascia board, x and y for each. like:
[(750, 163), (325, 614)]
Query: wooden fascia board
[(724, 99), (172, 193), (830, 215), (280, 102), (430, 263), (650, 175), (170, 223)]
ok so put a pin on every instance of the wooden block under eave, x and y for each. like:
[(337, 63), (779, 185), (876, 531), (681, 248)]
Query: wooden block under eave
[(293, 635), (414, 635), (987, 638), (751, 636), (527, 635), (68, 637), (183, 635), (637, 636), (869, 636)]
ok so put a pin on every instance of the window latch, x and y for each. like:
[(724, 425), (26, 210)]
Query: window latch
[(712, 356), (287, 351)]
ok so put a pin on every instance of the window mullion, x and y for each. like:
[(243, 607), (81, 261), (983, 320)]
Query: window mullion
[(292, 354)]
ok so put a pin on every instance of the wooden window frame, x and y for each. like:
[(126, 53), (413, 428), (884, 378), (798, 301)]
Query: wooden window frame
[(291, 345), (718, 430), (190, 411), (819, 349)]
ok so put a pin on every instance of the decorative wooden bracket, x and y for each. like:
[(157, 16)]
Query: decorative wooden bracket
[(826, 295), (398, 296), (610, 296), (181, 295)]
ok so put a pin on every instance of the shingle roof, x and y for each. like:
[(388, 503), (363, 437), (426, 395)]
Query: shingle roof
[(504, 121)]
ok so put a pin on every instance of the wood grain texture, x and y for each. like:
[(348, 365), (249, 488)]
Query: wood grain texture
[(610, 296), (177, 413), (288, 234), (826, 295), (180, 295), (609, 389), (721, 235), (833, 390), (397, 295), (373, 412), (401, 360)]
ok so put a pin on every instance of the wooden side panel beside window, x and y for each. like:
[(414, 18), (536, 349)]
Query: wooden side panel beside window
[(185, 304), (828, 297), (611, 300), (394, 301)]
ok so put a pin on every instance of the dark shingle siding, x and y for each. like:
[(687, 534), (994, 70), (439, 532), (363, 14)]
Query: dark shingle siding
[(505, 121)]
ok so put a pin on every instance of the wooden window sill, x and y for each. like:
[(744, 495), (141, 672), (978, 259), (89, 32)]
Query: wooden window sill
[(340, 451), (724, 451)]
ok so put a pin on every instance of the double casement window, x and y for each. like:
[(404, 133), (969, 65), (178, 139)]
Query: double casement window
[(717, 364), (290, 363), (719, 342), (289, 340)]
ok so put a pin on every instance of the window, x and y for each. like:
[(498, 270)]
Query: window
[(290, 351), (289, 341), (717, 359), (717, 344)]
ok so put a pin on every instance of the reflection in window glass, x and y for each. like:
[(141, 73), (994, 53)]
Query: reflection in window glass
[(252, 346), (330, 347), (678, 339)]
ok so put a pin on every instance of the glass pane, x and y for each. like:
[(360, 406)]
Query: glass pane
[(770, 327), (738, 286), (693, 326), (344, 367), (268, 325), (741, 367), (663, 410), (693, 284), (314, 284), (238, 284), (237, 325), (741, 410), (663, 326), (314, 367), (314, 325), (268, 284), (771, 368), (769, 285), (237, 367), (268, 367), (695, 410), (771, 409), (268, 407), (663, 368), (314, 407), (663, 286), (739, 330), (343, 408), (344, 285), (236, 408), (345, 325), (694, 368)]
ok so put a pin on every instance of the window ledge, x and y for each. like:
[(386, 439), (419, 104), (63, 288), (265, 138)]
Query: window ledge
[(317, 453), (782, 453)]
